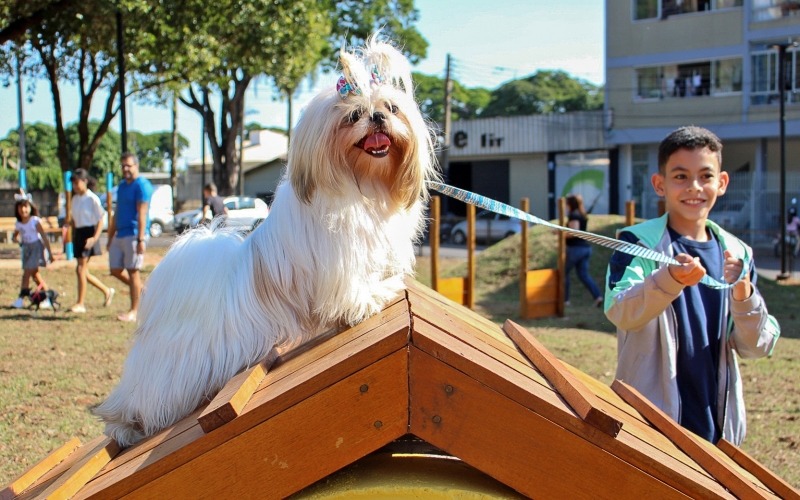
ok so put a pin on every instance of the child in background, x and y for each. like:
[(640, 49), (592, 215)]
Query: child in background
[(29, 230), (87, 220), (677, 339)]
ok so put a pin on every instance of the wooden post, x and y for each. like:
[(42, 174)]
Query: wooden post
[(662, 207), (562, 255), (433, 236), (524, 205), (630, 212), (470, 256)]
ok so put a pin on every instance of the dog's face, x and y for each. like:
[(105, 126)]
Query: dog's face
[(368, 132)]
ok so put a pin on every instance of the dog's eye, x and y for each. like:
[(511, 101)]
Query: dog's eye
[(392, 108), (355, 115)]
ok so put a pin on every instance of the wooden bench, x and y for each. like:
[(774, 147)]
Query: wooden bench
[(50, 225)]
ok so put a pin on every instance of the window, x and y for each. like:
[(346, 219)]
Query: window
[(662, 9), (647, 83), (764, 88), (767, 10), (246, 203), (727, 76), (696, 79), (645, 9)]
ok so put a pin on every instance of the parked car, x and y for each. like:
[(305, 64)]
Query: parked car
[(160, 211), (243, 212), (489, 226)]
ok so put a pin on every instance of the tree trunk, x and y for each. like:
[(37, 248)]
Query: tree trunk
[(52, 76), (173, 168)]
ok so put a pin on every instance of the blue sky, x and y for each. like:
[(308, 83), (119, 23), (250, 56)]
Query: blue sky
[(490, 43)]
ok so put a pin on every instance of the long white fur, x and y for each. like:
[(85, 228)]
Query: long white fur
[(335, 247)]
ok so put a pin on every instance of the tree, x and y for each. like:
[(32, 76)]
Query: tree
[(466, 104), (542, 93), (155, 149)]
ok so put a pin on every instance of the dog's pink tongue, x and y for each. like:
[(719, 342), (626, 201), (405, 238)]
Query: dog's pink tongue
[(377, 142)]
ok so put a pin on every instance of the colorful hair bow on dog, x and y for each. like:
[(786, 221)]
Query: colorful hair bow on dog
[(345, 87)]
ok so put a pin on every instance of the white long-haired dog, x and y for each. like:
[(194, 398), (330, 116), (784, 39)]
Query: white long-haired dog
[(336, 246)]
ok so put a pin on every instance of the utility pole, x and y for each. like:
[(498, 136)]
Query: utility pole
[(203, 149), (241, 150), (121, 63), (448, 105), (782, 121), (173, 168), (22, 153)]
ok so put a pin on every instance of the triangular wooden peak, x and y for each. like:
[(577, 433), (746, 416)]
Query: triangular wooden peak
[(427, 367)]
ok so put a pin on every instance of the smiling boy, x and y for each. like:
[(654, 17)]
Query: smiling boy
[(677, 339)]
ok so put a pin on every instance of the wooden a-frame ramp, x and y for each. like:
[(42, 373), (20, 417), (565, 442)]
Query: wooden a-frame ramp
[(494, 398)]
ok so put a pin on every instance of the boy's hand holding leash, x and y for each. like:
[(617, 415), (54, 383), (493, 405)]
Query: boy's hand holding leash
[(732, 269), (690, 272)]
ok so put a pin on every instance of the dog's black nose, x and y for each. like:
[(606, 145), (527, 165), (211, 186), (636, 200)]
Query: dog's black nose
[(378, 117)]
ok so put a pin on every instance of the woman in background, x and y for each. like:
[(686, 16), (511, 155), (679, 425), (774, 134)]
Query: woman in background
[(579, 251)]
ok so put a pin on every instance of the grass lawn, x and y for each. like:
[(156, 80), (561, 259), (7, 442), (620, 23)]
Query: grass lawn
[(55, 368)]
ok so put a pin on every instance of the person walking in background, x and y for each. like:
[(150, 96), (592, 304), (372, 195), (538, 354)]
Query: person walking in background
[(579, 251), (127, 230), (87, 221), (212, 202), (28, 231)]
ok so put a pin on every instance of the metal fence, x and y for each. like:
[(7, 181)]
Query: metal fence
[(750, 208)]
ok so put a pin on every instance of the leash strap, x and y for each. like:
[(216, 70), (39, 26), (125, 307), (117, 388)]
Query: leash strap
[(604, 241)]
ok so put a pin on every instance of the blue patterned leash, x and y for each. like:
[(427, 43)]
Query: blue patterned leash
[(618, 245)]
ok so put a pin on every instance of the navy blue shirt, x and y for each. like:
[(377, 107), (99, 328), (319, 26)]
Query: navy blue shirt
[(698, 310)]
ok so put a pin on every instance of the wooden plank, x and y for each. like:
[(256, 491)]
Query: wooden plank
[(515, 445), (230, 401), (454, 289), (36, 471), (681, 472), (452, 320), (583, 401), (79, 474), (766, 476), (300, 445), (690, 444), (543, 277), (434, 238), (306, 376), (542, 309), (524, 205)]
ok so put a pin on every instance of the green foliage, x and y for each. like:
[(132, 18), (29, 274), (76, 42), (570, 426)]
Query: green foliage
[(544, 92), (466, 103), (257, 126), (156, 148), (105, 158), (41, 145)]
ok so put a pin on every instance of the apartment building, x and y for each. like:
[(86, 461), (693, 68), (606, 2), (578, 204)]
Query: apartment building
[(712, 63)]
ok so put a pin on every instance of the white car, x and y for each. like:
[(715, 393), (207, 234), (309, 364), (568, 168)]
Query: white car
[(243, 212), (489, 226)]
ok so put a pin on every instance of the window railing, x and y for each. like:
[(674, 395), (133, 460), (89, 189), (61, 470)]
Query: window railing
[(767, 10), (663, 9), (696, 79)]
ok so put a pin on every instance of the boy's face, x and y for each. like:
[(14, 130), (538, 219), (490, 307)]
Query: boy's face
[(690, 185)]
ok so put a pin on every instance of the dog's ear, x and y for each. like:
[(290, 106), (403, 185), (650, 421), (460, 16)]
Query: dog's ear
[(313, 152)]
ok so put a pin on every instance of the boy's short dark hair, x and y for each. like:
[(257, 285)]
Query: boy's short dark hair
[(210, 187), (690, 137)]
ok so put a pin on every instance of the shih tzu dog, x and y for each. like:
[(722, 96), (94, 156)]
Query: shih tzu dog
[(335, 248)]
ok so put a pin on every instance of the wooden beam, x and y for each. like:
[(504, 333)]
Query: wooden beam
[(470, 303), (579, 398), (524, 205), (284, 387), (300, 445), (766, 476), (686, 441), (562, 256), (39, 469), (82, 472), (433, 239), (630, 213), (515, 445), (230, 401), (638, 444)]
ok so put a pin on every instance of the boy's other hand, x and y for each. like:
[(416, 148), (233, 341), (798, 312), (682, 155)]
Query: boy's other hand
[(690, 272), (732, 269)]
